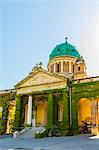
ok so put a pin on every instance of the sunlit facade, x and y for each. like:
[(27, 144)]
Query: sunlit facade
[(74, 96)]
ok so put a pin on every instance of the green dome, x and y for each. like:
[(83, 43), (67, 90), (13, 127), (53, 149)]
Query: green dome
[(64, 49)]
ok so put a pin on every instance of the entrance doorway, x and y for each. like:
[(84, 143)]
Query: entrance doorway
[(84, 115)]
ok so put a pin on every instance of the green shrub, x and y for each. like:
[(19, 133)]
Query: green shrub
[(5, 103), (17, 121), (43, 134), (65, 121), (50, 111)]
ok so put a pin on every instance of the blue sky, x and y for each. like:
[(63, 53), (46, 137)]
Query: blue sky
[(30, 29)]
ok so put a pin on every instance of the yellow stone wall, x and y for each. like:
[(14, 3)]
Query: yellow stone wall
[(41, 113)]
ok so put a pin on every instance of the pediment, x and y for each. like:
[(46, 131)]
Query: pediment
[(40, 77)]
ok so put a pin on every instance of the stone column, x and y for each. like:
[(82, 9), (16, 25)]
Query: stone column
[(93, 114), (29, 114), (97, 114), (69, 67), (54, 67), (61, 66)]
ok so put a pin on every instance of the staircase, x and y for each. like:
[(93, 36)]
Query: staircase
[(29, 132)]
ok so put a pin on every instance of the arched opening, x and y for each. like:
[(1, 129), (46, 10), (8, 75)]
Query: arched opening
[(60, 112), (84, 114), (41, 113)]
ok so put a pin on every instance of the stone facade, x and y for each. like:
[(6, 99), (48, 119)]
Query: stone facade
[(62, 96)]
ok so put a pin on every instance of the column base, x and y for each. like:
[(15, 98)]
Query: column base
[(94, 131)]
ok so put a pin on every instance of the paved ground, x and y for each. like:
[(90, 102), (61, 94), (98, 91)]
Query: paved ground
[(81, 142)]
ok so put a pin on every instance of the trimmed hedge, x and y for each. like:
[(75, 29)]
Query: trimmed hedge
[(5, 101), (65, 121), (18, 112), (50, 111)]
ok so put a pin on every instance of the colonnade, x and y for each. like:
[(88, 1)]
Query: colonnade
[(94, 108), (33, 119), (62, 66)]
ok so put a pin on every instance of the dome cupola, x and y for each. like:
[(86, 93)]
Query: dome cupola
[(64, 49), (62, 59)]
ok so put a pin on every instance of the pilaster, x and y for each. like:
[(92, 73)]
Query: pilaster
[(94, 128)]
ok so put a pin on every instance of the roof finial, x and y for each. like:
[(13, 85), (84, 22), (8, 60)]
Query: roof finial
[(40, 64), (66, 39)]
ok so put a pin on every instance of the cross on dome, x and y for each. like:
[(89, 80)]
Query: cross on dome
[(66, 39)]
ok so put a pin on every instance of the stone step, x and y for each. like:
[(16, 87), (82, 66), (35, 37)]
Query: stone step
[(29, 132)]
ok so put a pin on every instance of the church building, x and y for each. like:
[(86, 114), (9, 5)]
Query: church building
[(61, 96)]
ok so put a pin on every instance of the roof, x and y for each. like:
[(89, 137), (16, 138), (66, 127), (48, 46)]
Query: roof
[(35, 71), (64, 49)]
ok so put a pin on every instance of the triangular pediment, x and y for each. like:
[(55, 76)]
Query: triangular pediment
[(39, 77)]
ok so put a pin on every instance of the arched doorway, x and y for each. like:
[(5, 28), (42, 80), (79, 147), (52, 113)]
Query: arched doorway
[(84, 114), (41, 113), (60, 112)]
